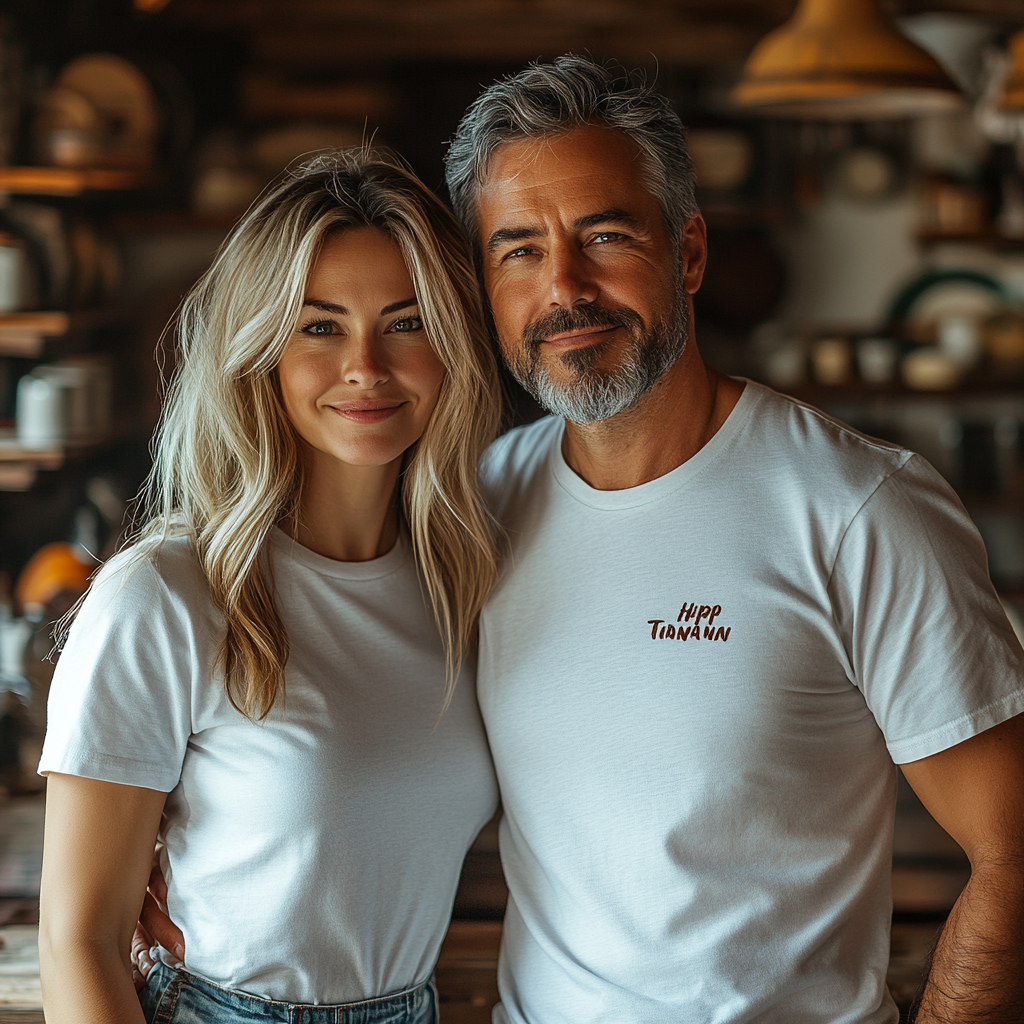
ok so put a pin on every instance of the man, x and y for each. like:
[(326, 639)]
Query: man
[(728, 616)]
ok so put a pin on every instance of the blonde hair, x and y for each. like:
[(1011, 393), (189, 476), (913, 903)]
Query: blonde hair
[(227, 467)]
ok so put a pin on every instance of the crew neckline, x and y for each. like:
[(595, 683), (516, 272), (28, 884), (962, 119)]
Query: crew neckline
[(659, 487), (375, 568)]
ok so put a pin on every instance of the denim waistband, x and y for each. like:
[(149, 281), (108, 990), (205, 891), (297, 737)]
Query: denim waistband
[(178, 997)]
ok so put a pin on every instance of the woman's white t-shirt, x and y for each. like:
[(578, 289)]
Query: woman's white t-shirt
[(312, 857)]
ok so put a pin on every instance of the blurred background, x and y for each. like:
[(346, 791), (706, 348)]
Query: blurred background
[(860, 166)]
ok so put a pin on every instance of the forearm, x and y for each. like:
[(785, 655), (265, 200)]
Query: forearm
[(977, 969), (85, 980)]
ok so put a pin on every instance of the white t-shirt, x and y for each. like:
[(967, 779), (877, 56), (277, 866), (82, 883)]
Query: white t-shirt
[(313, 857), (695, 690)]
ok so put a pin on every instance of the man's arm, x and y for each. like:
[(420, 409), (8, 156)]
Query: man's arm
[(96, 858), (975, 791)]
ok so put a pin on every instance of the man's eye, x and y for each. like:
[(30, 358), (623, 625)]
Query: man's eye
[(318, 327), (607, 236), (407, 325), (523, 250)]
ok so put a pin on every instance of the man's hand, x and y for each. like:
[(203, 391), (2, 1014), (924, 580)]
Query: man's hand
[(155, 928), (973, 790)]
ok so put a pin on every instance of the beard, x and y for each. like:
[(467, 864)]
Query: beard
[(592, 394)]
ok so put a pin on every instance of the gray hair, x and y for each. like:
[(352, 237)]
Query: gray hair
[(552, 99)]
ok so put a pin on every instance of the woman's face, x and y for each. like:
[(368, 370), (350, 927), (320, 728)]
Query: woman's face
[(359, 377)]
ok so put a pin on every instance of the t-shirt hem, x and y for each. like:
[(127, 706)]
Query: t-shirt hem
[(124, 771), (960, 729)]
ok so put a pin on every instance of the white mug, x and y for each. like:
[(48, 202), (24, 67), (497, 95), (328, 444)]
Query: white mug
[(41, 416), (77, 383)]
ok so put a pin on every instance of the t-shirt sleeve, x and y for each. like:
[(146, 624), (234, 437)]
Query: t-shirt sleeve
[(119, 708), (930, 645)]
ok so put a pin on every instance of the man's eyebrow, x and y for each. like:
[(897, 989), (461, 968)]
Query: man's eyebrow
[(503, 235), (333, 307), (611, 216)]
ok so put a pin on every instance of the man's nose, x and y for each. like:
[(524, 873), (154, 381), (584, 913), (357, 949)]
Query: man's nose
[(571, 283), (363, 362)]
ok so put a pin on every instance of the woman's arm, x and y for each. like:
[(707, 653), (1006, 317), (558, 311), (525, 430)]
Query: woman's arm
[(97, 853)]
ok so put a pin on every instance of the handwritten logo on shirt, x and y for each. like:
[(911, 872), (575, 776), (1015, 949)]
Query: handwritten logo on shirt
[(694, 622)]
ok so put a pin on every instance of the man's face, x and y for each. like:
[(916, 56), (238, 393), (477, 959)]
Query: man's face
[(587, 288)]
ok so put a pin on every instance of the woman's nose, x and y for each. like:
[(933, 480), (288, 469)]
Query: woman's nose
[(363, 363)]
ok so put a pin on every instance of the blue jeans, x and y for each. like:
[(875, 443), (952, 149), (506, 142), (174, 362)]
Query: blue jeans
[(177, 997)]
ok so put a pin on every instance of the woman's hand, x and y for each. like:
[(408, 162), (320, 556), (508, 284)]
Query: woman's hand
[(155, 928), (97, 850)]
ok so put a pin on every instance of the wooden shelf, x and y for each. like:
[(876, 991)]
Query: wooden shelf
[(989, 238), (972, 387), (70, 181), (20, 465), (25, 334)]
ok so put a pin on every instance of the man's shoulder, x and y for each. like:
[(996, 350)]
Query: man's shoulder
[(516, 457), (799, 442)]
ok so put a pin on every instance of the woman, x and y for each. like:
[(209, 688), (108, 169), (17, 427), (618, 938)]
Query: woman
[(273, 654)]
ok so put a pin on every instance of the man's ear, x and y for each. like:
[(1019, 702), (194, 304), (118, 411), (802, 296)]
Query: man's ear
[(693, 249)]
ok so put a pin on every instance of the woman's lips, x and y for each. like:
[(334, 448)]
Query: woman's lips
[(368, 411)]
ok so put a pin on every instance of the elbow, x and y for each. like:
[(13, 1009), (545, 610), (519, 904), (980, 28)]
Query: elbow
[(70, 944)]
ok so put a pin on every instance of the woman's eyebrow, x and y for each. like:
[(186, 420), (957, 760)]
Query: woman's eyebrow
[(327, 307), (333, 307)]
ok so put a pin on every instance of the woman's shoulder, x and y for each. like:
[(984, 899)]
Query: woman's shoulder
[(151, 573)]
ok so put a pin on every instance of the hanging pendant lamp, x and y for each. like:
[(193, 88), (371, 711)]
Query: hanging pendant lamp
[(1012, 100), (842, 60)]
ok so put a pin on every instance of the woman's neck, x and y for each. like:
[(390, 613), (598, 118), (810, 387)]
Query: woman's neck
[(348, 513)]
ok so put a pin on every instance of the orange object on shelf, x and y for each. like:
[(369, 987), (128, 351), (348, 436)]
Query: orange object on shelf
[(52, 570), (1013, 91)]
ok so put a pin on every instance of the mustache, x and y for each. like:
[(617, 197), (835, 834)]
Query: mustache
[(578, 317)]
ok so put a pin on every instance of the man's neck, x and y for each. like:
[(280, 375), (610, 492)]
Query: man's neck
[(668, 426)]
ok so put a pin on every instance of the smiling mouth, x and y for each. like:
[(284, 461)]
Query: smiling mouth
[(578, 338), (367, 411)]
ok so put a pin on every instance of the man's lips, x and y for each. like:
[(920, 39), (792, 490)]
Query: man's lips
[(368, 410), (579, 337)]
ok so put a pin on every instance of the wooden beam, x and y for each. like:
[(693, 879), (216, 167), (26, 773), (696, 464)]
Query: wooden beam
[(755, 15), (697, 45), (266, 95)]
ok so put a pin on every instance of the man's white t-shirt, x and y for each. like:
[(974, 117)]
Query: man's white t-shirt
[(312, 857), (695, 690)]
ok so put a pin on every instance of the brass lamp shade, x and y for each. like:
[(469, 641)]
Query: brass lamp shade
[(842, 60), (1013, 92)]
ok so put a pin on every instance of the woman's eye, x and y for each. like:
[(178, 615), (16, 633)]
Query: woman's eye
[(407, 325), (319, 327)]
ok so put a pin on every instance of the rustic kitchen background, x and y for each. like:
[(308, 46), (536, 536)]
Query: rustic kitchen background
[(865, 202)]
